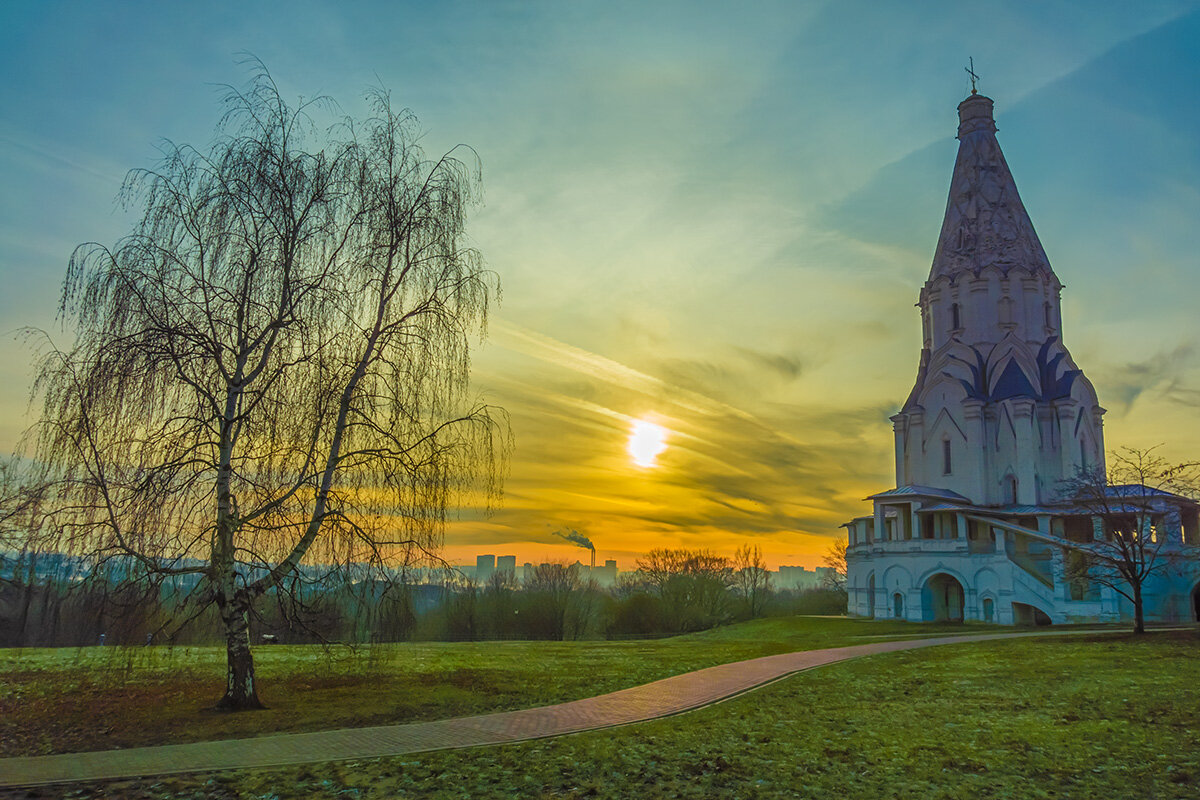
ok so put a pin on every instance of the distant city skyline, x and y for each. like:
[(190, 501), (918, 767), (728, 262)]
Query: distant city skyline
[(709, 219), (485, 565)]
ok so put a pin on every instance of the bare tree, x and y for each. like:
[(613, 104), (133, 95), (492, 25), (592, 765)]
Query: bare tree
[(1131, 542), (751, 579), (835, 565), (693, 585), (269, 380), (549, 591), (499, 602)]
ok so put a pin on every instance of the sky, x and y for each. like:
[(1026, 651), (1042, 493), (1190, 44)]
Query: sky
[(714, 217)]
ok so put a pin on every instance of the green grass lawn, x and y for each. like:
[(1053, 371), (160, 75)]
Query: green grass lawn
[(65, 700), (1079, 717)]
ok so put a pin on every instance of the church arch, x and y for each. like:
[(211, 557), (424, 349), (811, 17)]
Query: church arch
[(942, 599), (986, 582), (1008, 489), (945, 425), (923, 578), (897, 578), (1029, 615)]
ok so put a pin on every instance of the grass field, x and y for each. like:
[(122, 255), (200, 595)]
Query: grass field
[(1112, 716), (66, 700)]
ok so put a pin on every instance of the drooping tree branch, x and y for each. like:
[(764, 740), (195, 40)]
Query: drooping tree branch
[(270, 374)]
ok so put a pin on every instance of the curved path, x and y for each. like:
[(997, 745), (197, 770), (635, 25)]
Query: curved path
[(661, 698)]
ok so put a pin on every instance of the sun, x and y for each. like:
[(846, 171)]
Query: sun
[(646, 441)]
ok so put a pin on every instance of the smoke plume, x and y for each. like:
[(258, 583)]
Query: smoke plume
[(576, 538)]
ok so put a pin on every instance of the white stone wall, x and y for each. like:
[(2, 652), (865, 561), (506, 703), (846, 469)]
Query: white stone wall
[(992, 443)]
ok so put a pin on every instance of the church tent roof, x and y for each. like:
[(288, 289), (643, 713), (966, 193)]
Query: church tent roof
[(986, 224)]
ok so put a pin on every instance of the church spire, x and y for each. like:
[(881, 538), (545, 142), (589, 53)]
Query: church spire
[(986, 224)]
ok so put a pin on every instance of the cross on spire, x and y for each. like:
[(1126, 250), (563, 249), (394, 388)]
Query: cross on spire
[(971, 71)]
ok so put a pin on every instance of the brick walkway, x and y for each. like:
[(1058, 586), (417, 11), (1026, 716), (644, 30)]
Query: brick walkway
[(650, 701)]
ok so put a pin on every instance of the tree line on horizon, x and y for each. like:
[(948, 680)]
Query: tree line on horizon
[(47, 600)]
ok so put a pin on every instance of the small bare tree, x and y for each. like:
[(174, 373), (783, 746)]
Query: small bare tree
[(835, 564), (268, 383), (499, 603), (751, 579), (1130, 545)]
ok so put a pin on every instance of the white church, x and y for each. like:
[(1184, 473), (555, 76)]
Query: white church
[(975, 528)]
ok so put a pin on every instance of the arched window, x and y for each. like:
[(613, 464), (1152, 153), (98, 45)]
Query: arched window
[(898, 605), (989, 610), (955, 317), (1049, 316), (946, 457), (1010, 490)]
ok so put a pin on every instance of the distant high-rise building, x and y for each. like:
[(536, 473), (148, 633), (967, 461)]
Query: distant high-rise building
[(485, 565), (796, 578), (606, 575), (507, 564)]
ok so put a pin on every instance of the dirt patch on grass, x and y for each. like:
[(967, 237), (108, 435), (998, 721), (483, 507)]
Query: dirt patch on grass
[(88, 716), (35, 719)]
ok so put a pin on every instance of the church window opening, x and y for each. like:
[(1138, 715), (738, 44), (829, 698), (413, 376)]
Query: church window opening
[(1075, 529), (955, 317), (898, 605), (1120, 527), (946, 457), (1190, 525), (989, 610), (1010, 490), (1049, 316)]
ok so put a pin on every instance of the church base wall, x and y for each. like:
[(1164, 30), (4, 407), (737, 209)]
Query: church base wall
[(990, 588)]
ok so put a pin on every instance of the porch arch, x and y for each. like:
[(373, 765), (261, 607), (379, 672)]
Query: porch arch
[(942, 599)]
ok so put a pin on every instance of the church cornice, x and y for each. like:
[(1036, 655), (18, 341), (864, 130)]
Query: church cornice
[(941, 281)]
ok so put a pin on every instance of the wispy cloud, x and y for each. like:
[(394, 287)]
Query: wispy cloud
[(717, 221)]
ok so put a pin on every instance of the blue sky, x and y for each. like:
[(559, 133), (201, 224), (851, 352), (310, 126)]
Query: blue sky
[(714, 215)]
